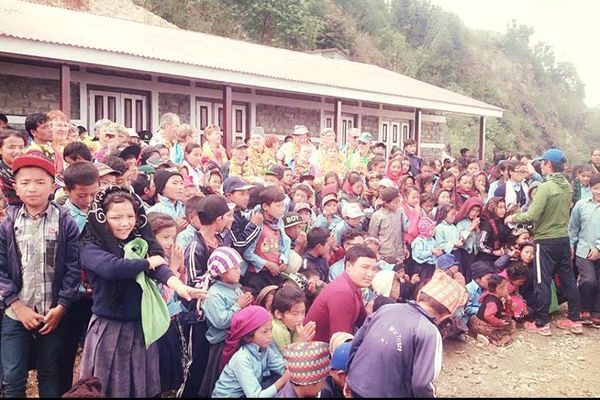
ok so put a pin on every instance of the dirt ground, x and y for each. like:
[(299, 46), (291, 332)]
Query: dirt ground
[(532, 366)]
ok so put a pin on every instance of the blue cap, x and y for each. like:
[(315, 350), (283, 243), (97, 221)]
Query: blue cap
[(339, 359), (446, 261), (554, 155), (235, 183)]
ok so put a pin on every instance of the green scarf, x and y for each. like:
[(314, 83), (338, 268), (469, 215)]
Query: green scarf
[(155, 315)]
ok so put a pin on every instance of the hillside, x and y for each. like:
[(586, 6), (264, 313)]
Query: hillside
[(543, 97)]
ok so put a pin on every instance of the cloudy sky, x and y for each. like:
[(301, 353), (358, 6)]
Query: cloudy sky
[(571, 27)]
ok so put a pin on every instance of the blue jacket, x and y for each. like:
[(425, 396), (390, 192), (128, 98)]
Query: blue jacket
[(67, 275), (258, 262), (108, 272), (219, 308), (584, 227), (243, 231), (446, 235), (337, 268), (316, 264), (421, 250), (166, 206), (475, 291), (245, 371)]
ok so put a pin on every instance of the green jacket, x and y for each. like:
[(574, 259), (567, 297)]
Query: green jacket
[(549, 210)]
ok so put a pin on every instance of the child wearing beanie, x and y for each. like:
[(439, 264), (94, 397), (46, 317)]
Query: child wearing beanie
[(424, 249), (169, 196), (308, 366), (224, 299)]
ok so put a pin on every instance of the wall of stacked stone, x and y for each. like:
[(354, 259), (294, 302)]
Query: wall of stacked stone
[(23, 96), (370, 123), (431, 132), (280, 120), (175, 103)]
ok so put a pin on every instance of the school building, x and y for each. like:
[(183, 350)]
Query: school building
[(94, 67)]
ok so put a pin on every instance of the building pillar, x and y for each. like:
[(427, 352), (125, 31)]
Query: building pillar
[(227, 117), (481, 139), (418, 115), (65, 90), (337, 120)]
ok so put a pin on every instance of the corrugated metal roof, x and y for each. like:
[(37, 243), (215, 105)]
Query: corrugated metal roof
[(29, 21)]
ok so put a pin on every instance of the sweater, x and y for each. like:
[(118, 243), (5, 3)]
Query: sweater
[(316, 264), (219, 308), (388, 227)]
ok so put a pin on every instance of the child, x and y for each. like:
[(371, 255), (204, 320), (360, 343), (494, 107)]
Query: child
[(516, 274), (301, 193), (143, 185), (387, 224), (295, 230), (387, 284), (465, 189), (33, 323), (269, 253), (248, 359), (12, 144), (447, 235), (494, 233), (214, 215), (412, 210), (224, 299), (394, 170), (308, 366), (192, 163), (468, 224), (169, 191), (371, 192), (243, 231), (289, 309), (427, 205), (266, 296), (481, 273), (81, 183), (115, 350), (352, 189), (353, 215), (494, 317), (329, 212), (171, 346), (193, 223), (318, 251), (424, 250), (410, 152), (335, 382), (582, 189)]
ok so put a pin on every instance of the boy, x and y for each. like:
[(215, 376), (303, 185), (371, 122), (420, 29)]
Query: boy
[(108, 176), (301, 193), (76, 151), (118, 164), (480, 272), (81, 184), (404, 336), (268, 253), (410, 150), (318, 250), (335, 382), (581, 188), (243, 231), (329, 209), (143, 185), (584, 236), (39, 278), (214, 216), (274, 177), (353, 215), (191, 216), (350, 238), (308, 365), (387, 225), (294, 229)]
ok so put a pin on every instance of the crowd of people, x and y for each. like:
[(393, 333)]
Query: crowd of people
[(276, 269)]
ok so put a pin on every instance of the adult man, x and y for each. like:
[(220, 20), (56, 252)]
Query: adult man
[(350, 238), (515, 190), (289, 151), (167, 132), (549, 213), (351, 141), (339, 307), (359, 160)]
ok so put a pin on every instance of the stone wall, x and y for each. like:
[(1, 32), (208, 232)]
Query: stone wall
[(370, 123), (431, 132), (280, 120), (175, 103), (23, 96)]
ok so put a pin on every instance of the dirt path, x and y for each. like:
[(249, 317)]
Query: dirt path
[(561, 365)]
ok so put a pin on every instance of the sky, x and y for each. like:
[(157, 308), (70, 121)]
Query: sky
[(571, 27)]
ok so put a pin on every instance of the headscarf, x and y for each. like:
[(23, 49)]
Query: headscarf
[(466, 207), (243, 323), (383, 282), (97, 231), (424, 226), (470, 193), (388, 171)]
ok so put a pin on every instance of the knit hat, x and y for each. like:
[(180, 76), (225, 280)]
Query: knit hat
[(338, 338), (307, 362), (222, 260), (480, 268), (34, 159), (298, 279), (446, 261), (161, 178), (339, 358), (446, 291), (424, 226), (383, 282)]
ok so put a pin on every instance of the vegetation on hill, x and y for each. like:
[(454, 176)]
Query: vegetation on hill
[(543, 98)]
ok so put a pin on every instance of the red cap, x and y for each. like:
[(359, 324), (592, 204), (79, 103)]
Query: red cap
[(34, 159)]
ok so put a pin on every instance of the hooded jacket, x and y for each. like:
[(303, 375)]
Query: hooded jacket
[(549, 210)]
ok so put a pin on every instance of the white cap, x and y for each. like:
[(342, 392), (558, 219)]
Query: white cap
[(352, 210), (388, 183), (300, 130), (132, 133)]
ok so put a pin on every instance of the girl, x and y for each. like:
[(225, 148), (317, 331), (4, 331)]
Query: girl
[(494, 234), (516, 273), (289, 309), (12, 144), (172, 346), (352, 190), (115, 350), (464, 188), (482, 185), (378, 165), (169, 192), (248, 357), (225, 297), (427, 205), (371, 192), (447, 235), (212, 147), (443, 197), (212, 182), (394, 170), (406, 181), (494, 318), (192, 163), (468, 220), (412, 210), (424, 250), (265, 297), (332, 178), (424, 183)]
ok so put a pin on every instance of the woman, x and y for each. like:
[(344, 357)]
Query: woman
[(212, 147), (12, 144)]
